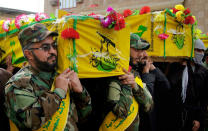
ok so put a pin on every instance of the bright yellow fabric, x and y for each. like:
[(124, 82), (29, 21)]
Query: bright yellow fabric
[(12, 126), (156, 44), (112, 123), (205, 40), (139, 81), (89, 52), (58, 120), (10, 45), (93, 61), (62, 13)]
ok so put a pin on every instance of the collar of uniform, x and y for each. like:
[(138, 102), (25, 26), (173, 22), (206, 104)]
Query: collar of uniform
[(42, 74)]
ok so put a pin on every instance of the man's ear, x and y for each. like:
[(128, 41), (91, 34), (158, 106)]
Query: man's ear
[(28, 54)]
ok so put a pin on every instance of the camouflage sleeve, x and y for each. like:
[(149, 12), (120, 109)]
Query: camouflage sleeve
[(29, 110), (143, 96), (83, 104), (120, 98)]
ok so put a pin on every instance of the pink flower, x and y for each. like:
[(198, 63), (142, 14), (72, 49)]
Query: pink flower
[(20, 20), (106, 21), (163, 36), (40, 16), (109, 9), (6, 25)]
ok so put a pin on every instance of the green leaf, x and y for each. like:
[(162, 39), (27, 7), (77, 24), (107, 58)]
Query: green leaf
[(52, 16), (19, 60), (170, 13), (12, 43), (136, 12), (13, 57)]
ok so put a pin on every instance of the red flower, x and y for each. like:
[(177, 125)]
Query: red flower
[(187, 11), (145, 9), (189, 20), (113, 15), (175, 10), (127, 12), (120, 22), (91, 14), (70, 33)]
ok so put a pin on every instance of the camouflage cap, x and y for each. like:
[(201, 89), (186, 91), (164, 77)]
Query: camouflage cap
[(34, 33), (138, 43)]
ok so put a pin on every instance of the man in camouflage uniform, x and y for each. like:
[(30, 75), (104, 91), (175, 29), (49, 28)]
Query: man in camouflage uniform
[(29, 100), (122, 90)]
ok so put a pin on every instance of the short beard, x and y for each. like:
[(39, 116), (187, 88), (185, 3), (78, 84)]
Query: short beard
[(45, 66), (139, 66)]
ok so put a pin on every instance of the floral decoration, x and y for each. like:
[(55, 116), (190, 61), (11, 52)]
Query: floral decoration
[(6, 25), (41, 16), (179, 16), (21, 20), (144, 10), (113, 20), (163, 36), (187, 11), (197, 33), (96, 16), (179, 7), (189, 20), (127, 12), (159, 17), (70, 33), (182, 15)]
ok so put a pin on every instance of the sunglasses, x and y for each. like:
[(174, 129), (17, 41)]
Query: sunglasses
[(46, 47)]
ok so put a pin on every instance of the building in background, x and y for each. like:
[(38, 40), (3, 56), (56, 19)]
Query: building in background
[(12, 13), (198, 7)]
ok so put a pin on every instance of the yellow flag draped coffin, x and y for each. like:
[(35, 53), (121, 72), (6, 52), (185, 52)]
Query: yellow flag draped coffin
[(94, 48)]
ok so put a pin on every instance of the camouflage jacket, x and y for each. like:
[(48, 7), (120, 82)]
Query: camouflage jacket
[(120, 96), (29, 101)]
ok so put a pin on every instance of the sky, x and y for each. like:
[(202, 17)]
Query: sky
[(27, 5)]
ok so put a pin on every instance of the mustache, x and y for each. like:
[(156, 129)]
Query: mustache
[(144, 58), (51, 56)]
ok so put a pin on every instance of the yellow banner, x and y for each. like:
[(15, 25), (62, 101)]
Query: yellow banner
[(179, 42), (99, 52)]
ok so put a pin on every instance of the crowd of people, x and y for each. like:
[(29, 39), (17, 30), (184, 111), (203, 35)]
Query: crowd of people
[(170, 99)]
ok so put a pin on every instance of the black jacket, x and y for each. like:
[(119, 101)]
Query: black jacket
[(159, 87), (194, 106)]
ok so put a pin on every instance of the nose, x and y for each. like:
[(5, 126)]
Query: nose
[(145, 53), (53, 50)]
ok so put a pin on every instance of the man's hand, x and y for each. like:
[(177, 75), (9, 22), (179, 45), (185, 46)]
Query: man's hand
[(146, 68), (62, 81), (75, 84), (10, 67), (196, 125), (127, 79)]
